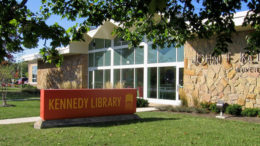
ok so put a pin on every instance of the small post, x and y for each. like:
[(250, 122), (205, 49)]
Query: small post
[(220, 106)]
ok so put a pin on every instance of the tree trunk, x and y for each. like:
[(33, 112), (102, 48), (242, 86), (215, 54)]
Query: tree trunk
[(4, 92)]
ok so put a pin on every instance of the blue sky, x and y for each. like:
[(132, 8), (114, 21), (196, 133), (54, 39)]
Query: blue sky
[(34, 5)]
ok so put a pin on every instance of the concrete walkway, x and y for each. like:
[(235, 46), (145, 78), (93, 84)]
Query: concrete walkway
[(34, 119)]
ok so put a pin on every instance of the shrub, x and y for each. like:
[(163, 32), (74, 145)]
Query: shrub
[(120, 85), (31, 90), (205, 105), (108, 85), (213, 108), (141, 102), (201, 110), (259, 113), (250, 112), (183, 98), (195, 101), (234, 109)]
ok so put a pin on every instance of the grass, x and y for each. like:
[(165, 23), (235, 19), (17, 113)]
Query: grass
[(155, 128), (16, 93), (21, 109)]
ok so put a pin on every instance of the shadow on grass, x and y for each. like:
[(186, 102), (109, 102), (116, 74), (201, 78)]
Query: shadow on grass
[(118, 123), (20, 95)]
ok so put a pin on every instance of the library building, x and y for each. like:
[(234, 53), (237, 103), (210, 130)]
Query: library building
[(160, 75)]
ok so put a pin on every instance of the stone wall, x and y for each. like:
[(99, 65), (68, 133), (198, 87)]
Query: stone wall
[(210, 81), (73, 73)]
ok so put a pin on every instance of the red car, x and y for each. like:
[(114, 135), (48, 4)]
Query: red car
[(22, 81)]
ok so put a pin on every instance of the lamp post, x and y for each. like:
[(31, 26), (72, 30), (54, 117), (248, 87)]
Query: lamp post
[(220, 106)]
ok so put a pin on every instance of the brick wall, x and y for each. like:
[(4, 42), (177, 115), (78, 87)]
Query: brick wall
[(73, 73)]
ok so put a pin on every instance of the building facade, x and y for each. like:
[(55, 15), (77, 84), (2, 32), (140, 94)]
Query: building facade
[(105, 61)]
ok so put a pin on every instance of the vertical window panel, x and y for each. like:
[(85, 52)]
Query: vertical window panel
[(139, 77), (91, 59), (99, 43), (116, 76), (107, 43), (139, 55), (167, 83), (107, 58), (90, 47), (117, 56), (152, 55), (98, 78), (99, 59), (117, 41), (128, 78), (34, 73), (90, 80), (152, 83), (180, 54), (167, 54), (107, 75), (127, 56)]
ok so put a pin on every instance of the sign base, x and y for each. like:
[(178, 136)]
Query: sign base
[(83, 121)]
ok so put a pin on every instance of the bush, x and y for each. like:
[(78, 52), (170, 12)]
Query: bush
[(183, 98), (201, 110), (205, 105), (259, 113), (234, 109), (213, 108), (30, 89), (250, 112), (142, 102)]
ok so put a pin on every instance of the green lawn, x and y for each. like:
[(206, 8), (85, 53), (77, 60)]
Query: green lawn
[(155, 128), (16, 93), (21, 109)]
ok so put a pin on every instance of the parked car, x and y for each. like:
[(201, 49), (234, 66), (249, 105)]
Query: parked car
[(22, 81)]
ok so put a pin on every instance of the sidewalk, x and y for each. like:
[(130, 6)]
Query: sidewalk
[(34, 119)]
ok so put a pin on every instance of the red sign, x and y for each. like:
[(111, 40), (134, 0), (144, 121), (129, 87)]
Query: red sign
[(80, 103)]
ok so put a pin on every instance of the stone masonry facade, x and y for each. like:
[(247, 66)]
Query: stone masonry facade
[(72, 74), (232, 77)]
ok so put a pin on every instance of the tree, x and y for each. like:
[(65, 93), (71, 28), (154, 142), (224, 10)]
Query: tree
[(20, 28), (161, 21), (7, 71), (164, 21)]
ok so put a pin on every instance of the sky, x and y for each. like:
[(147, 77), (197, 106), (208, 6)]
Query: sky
[(34, 5)]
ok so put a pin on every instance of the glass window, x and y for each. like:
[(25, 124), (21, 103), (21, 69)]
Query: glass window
[(91, 47), (152, 55), (180, 54), (124, 42), (116, 76), (139, 77), (91, 60), (167, 83), (99, 43), (107, 75), (152, 82), (99, 59), (167, 54), (98, 78), (128, 78), (181, 76), (117, 56), (107, 58), (127, 56), (107, 43), (34, 73), (90, 80), (139, 55), (117, 41)]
